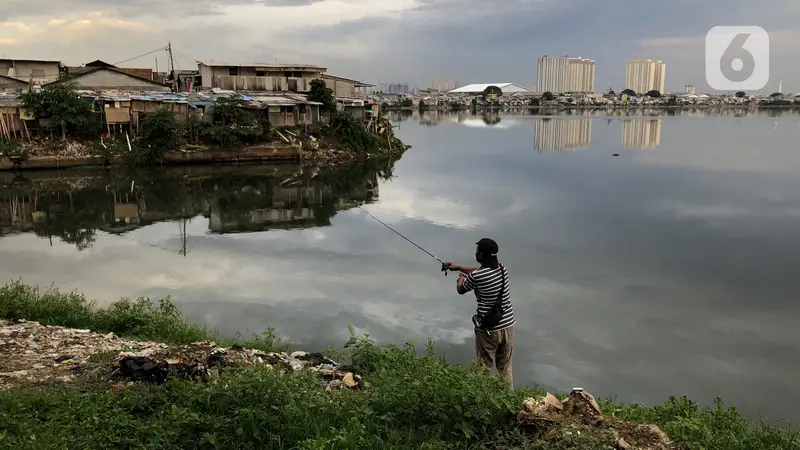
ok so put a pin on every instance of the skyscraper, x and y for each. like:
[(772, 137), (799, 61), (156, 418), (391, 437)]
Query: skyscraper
[(443, 85), (645, 75), (559, 74)]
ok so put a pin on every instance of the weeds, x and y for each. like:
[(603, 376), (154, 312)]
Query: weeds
[(412, 401)]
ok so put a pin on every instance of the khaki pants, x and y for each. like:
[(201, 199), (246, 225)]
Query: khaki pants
[(496, 349)]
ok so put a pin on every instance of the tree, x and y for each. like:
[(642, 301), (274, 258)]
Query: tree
[(61, 103), (492, 91), (629, 92), (741, 94), (548, 96), (654, 94), (319, 92), (611, 92), (407, 102), (776, 94), (422, 104)]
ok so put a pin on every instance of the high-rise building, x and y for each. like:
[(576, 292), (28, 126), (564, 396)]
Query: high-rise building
[(562, 134), (443, 84), (559, 74), (641, 133), (690, 89), (645, 75), (398, 88)]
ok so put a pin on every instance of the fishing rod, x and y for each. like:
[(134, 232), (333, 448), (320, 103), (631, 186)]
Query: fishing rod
[(445, 266)]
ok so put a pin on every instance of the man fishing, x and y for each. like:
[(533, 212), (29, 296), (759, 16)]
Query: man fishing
[(494, 322)]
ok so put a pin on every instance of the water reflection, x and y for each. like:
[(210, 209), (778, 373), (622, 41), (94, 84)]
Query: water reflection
[(641, 133), (435, 117), (562, 134), (73, 206)]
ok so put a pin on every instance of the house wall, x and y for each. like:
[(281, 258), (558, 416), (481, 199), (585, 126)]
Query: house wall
[(41, 72), (248, 79), (282, 116), (15, 85), (341, 88), (106, 79)]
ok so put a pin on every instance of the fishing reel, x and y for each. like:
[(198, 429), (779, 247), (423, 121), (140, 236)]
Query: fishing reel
[(445, 268)]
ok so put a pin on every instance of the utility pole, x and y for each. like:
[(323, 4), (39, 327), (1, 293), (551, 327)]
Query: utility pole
[(172, 68)]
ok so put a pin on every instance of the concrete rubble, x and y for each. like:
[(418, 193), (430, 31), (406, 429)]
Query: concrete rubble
[(34, 353), (581, 412)]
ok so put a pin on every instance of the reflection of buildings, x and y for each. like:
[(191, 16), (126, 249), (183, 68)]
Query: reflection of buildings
[(255, 202), (641, 133), (562, 134)]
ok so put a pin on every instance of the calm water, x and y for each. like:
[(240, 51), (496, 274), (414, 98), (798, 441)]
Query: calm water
[(669, 269)]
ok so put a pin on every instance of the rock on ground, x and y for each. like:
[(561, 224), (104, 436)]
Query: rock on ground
[(581, 412), (34, 353)]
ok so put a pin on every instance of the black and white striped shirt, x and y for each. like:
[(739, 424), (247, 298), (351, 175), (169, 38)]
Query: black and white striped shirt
[(486, 283)]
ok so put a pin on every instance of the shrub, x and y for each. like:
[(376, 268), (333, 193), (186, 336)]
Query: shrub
[(61, 103), (161, 133), (352, 134)]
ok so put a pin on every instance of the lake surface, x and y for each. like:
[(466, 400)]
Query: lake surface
[(669, 269)]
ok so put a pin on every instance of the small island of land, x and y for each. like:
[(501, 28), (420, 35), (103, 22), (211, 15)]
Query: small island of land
[(60, 126), (137, 375)]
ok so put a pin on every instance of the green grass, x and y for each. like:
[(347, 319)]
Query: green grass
[(413, 401), (140, 318)]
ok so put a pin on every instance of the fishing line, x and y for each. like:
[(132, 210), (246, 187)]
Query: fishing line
[(445, 266)]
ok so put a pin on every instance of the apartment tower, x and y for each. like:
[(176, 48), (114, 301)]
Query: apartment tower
[(645, 75), (560, 74)]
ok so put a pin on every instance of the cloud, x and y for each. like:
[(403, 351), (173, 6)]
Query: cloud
[(407, 40), (7, 41), (18, 26)]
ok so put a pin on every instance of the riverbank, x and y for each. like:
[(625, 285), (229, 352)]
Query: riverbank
[(167, 142), (406, 400)]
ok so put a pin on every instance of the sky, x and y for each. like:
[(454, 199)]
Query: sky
[(409, 41)]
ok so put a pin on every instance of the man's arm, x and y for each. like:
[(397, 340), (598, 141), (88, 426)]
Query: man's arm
[(464, 284), (466, 269)]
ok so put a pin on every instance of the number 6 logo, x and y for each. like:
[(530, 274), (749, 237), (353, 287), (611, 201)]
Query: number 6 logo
[(737, 58)]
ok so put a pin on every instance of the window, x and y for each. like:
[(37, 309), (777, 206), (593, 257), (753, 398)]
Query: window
[(234, 71)]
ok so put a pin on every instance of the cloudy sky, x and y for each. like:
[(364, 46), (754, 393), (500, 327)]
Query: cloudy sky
[(400, 40)]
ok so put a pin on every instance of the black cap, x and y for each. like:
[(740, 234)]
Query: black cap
[(487, 247)]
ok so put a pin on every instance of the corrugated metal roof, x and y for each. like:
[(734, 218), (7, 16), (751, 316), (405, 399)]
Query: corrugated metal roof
[(215, 63), (477, 88)]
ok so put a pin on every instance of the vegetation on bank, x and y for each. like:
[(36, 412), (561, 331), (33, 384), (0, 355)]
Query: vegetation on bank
[(62, 112), (412, 400)]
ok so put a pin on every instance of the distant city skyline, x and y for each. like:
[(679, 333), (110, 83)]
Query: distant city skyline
[(444, 84)]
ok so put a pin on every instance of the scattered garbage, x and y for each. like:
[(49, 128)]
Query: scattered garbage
[(580, 412), (31, 352)]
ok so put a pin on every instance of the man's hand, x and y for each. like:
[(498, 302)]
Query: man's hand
[(453, 266), (460, 283)]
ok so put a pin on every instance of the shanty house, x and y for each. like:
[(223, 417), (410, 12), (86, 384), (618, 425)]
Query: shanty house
[(106, 79), (253, 76), (40, 72), (341, 87), (88, 67), (10, 84)]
